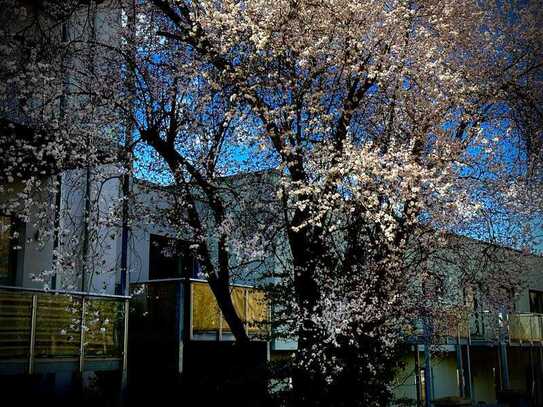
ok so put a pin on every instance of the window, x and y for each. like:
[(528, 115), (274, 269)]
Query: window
[(7, 252), (163, 258), (170, 258), (536, 301)]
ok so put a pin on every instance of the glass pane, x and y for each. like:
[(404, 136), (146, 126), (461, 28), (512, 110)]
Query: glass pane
[(205, 312), (104, 325), (257, 311), (15, 320), (58, 326), (238, 300), (524, 327)]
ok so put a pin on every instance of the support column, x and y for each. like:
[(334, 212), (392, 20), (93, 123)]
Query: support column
[(541, 368), (502, 350), (427, 365), (460, 364), (532, 390), (185, 319), (124, 378), (183, 307), (427, 376), (417, 375), (469, 381), (502, 354), (82, 329)]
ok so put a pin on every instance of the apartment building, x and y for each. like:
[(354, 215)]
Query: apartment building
[(482, 357)]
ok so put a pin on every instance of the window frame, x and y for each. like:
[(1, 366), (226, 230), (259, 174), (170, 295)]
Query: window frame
[(12, 252)]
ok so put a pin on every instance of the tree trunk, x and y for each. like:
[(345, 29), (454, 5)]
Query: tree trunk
[(221, 290)]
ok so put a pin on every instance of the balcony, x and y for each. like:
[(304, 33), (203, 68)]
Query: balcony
[(46, 331), (160, 302), (484, 327), (177, 330), (519, 327)]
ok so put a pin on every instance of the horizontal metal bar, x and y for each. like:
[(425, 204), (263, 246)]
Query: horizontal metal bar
[(64, 292), (192, 280), (62, 359), (197, 280), (158, 280), (534, 314)]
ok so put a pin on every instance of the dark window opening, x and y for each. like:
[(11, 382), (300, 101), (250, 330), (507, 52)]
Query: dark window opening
[(8, 255), (536, 301), (170, 258)]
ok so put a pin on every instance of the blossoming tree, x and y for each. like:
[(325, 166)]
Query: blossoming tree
[(390, 125)]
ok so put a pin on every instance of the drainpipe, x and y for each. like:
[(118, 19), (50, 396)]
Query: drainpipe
[(58, 192), (124, 278), (56, 230), (129, 83), (86, 226), (124, 283)]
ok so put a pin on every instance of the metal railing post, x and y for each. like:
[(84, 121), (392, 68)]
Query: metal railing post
[(191, 310), (125, 335), (246, 310), (33, 319), (82, 336), (220, 326)]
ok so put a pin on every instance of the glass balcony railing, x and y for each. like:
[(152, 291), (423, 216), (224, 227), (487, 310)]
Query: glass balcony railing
[(526, 327), (486, 326), (38, 325), (250, 304)]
